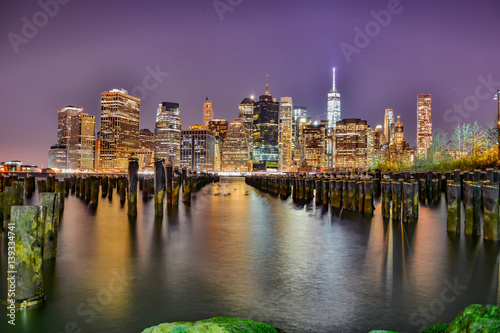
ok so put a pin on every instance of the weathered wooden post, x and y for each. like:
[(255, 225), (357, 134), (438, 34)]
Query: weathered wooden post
[(326, 189), (42, 186), (186, 189), (29, 187), (396, 189), (73, 184), (436, 191), (94, 191), (369, 185), (345, 193), (60, 188), (301, 188), (339, 187), (104, 186), (491, 202), (385, 186), (332, 185), (67, 186), (473, 209), (28, 224), (453, 219), (159, 186), (352, 194), (360, 193), (88, 189), (111, 186), (408, 206), (133, 171), (176, 184), (122, 189), (318, 185), (14, 196), (428, 186), (170, 176), (51, 202), (51, 181)]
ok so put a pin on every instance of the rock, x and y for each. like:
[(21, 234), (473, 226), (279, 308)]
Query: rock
[(439, 328), (477, 318), (214, 325)]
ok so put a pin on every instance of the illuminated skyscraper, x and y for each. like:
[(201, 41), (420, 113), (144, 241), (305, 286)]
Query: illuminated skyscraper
[(208, 112), (299, 114), (168, 134), (352, 144), (333, 114), (76, 134), (285, 134), (119, 129), (147, 139), (314, 144), (197, 150), (424, 123), (265, 132), (399, 137), (235, 156), (246, 113), (388, 121), (87, 142), (219, 127)]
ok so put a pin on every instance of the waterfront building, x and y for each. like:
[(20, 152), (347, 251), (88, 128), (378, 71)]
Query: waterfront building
[(351, 144), (208, 112), (388, 121), (424, 123), (87, 143), (119, 129), (399, 137), (314, 145), (58, 157), (265, 133), (147, 139), (235, 155), (246, 113), (197, 150), (167, 137), (333, 110), (285, 134)]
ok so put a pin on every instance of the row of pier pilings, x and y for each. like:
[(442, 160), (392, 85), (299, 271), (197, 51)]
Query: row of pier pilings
[(32, 231), (475, 193)]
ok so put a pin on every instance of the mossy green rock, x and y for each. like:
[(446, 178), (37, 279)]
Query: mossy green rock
[(213, 325), (477, 318), (439, 328)]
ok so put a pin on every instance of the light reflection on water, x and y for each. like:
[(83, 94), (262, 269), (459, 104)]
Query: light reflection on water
[(235, 251)]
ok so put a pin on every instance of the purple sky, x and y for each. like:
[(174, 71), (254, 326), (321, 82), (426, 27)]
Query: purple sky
[(440, 47)]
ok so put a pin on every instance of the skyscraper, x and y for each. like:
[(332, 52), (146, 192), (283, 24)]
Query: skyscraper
[(314, 144), (208, 112), (246, 114), (197, 150), (219, 127), (424, 123), (235, 156), (87, 142), (388, 121), (299, 114), (399, 136), (285, 134), (167, 137), (265, 132), (352, 144), (119, 129), (76, 134), (333, 113)]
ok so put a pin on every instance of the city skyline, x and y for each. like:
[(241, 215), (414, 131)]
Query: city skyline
[(430, 53)]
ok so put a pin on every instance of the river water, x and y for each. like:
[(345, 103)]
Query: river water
[(237, 252)]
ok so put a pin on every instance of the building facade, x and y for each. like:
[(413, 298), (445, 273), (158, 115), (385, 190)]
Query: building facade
[(424, 123), (208, 112), (197, 150), (285, 134), (314, 145), (246, 113), (388, 123), (120, 114), (333, 110), (167, 137), (235, 154), (87, 142), (265, 133), (351, 144)]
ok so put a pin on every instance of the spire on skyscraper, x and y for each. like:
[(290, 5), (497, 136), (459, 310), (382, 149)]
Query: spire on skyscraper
[(334, 88), (268, 92)]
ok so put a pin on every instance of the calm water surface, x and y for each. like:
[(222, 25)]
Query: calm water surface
[(246, 254)]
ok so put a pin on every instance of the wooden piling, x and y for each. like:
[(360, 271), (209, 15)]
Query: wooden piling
[(51, 201), (490, 192), (473, 208), (133, 170), (159, 184)]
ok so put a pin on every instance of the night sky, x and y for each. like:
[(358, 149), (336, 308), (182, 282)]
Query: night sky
[(441, 47)]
